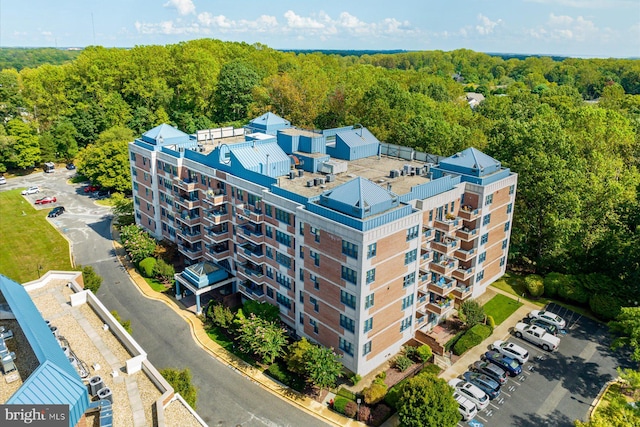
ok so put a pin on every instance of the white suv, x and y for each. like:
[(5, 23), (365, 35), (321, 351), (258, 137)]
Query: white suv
[(30, 190), (466, 407), (511, 350), (471, 392)]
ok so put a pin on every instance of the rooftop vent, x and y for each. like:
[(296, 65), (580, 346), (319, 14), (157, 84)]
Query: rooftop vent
[(310, 183)]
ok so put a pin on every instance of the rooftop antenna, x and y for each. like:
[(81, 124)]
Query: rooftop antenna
[(358, 124)]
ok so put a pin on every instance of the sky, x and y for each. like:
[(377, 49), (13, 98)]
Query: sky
[(577, 28)]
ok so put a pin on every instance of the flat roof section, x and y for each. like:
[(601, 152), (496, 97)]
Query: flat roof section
[(373, 168)]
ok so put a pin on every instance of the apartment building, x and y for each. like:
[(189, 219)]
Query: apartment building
[(362, 245)]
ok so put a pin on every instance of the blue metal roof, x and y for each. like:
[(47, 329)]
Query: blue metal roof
[(269, 119), (55, 380), (254, 156), (360, 198), (165, 134), (357, 137), (472, 162)]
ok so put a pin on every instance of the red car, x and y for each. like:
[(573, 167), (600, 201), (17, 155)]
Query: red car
[(91, 188), (46, 200)]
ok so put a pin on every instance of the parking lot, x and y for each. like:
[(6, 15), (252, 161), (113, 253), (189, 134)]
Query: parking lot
[(555, 389)]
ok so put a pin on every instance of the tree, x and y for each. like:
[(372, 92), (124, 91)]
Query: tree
[(471, 313), (164, 271), (122, 209), (181, 383), (297, 356), (137, 242), (426, 400), (627, 328), (323, 367), (91, 279), (534, 284), (107, 165), (265, 339), (64, 134), (264, 310), (618, 413), (234, 92), (24, 150)]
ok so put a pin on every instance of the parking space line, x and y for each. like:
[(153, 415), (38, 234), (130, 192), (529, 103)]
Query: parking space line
[(495, 406), (483, 419), (505, 393)]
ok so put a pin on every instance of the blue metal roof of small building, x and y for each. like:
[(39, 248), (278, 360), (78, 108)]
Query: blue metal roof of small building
[(269, 119), (471, 161), (357, 137), (360, 198), (165, 134), (55, 380), (254, 156)]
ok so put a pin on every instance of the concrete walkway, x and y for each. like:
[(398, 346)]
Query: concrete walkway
[(310, 406)]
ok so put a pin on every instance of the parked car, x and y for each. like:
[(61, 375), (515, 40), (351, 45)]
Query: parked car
[(551, 329), (467, 408), (471, 392), (3, 180), (31, 190), (537, 335), (91, 188), (57, 211), (508, 364), (512, 350), (548, 317), (46, 200), (494, 372), (71, 166), (101, 194), (484, 383)]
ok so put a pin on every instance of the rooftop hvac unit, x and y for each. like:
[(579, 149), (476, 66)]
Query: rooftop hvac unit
[(310, 183), (54, 330), (105, 394), (292, 174), (95, 384), (316, 181), (331, 178), (394, 173), (419, 171), (300, 172), (321, 181)]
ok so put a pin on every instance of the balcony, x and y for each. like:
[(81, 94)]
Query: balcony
[(462, 292), (440, 306), (425, 256), (465, 254), (424, 276), (216, 216), (462, 273), (467, 234), (215, 197), (250, 288), (187, 202), (443, 286), (252, 233), (251, 213), (447, 245), (191, 252), (217, 234), (468, 213), (189, 219), (444, 267), (189, 235), (448, 225), (250, 269), (252, 252), (427, 234), (186, 184)]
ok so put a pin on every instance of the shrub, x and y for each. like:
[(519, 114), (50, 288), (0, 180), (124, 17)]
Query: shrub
[(382, 375), (347, 394), (220, 315), (431, 369), (340, 403), (163, 271), (573, 291), (379, 414), (355, 379), (424, 352), (276, 373), (263, 310), (491, 322), (181, 383), (465, 343), (146, 266), (401, 363), (605, 307), (126, 324), (91, 279), (393, 395), (552, 282), (351, 409), (534, 284), (449, 344), (483, 331), (411, 352), (364, 414), (374, 393), (471, 313)]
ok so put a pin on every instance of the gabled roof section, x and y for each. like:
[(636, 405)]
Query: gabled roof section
[(164, 134), (203, 268), (357, 137), (269, 120), (471, 162), (49, 384), (262, 157), (44, 344), (360, 198)]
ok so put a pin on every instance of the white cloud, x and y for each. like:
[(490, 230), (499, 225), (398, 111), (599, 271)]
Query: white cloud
[(564, 27), (297, 21), (184, 7), (589, 4), (486, 25)]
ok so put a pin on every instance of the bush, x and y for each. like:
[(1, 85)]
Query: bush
[(411, 352), (181, 383), (126, 324), (277, 373), (552, 282), (431, 369), (605, 307), (340, 403), (393, 395), (535, 285), (401, 363), (449, 344), (572, 291), (491, 323), (351, 409), (347, 394), (471, 313), (263, 310), (365, 414), (483, 331), (146, 266), (91, 279), (382, 375), (374, 393), (471, 338), (379, 414), (355, 379), (424, 353), (220, 315), (163, 271)]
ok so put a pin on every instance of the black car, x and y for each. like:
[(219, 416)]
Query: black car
[(57, 211), (491, 370), (102, 194), (71, 166)]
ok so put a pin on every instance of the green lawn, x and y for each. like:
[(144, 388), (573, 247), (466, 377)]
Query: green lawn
[(29, 244), (215, 334), (500, 307), (155, 284)]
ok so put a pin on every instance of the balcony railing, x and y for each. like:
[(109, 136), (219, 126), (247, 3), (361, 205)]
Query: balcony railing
[(467, 234), (444, 267), (462, 292), (465, 254), (186, 184), (462, 273), (439, 306), (442, 286), (251, 233), (251, 288), (447, 225), (468, 213), (446, 246)]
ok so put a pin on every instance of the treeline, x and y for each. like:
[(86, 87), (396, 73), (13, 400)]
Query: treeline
[(577, 209), (20, 58)]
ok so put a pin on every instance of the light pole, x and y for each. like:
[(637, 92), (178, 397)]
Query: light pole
[(358, 400)]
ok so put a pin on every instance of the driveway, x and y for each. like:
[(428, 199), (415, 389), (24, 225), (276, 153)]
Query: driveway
[(555, 389), (225, 398)]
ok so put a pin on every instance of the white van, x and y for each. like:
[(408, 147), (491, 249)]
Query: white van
[(466, 407)]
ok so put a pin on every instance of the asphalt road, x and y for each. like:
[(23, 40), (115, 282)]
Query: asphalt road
[(225, 398), (555, 389)]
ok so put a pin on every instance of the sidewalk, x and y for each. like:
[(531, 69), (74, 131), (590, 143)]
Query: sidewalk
[(198, 333)]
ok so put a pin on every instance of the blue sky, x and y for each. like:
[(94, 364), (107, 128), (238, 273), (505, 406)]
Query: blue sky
[(582, 28)]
